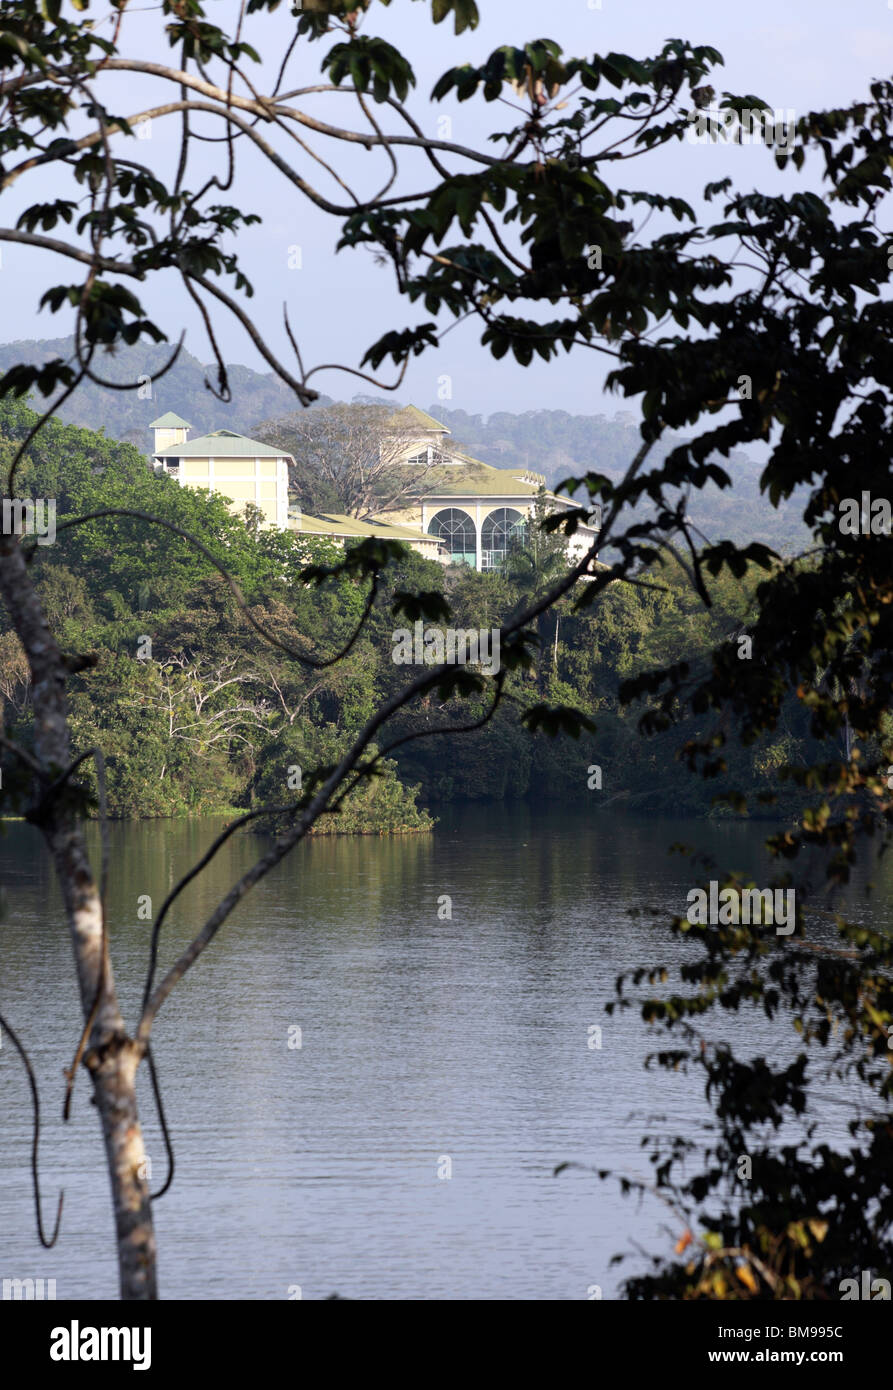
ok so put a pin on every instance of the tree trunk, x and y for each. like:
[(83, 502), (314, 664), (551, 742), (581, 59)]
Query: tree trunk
[(114, 1086), (541, 657), (111, 1056)]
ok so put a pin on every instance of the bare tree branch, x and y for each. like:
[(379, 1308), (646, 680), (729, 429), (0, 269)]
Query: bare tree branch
[(46, 1242)]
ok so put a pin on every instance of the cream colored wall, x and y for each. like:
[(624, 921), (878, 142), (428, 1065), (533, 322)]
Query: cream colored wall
[(173, 434), (579, 543), (263, 482), (409, 447), (430, 552)]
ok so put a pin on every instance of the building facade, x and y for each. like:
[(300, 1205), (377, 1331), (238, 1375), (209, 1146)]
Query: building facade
[(337, 527), (453, 508), (472, 508), (240, 469)]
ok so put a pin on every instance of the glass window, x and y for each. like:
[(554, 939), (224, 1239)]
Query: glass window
[(499, 530), (429, 455), (456, 531)]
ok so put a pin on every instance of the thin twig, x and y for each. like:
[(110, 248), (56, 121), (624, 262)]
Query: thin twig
[(35, 1143)]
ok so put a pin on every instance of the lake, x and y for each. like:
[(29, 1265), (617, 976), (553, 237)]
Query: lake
[(406, 1148)]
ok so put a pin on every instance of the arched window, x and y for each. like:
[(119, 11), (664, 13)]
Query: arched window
[(429, 455), (499, 530), (456, 531)]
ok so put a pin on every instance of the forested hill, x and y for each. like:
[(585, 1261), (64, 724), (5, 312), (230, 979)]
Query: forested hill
[(562, 445), (126, 415)]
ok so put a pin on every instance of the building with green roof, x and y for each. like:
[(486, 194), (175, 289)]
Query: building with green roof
[(242, 470), (169, 421), (338, 527), (455, 508), (169, 429), (474, 509)]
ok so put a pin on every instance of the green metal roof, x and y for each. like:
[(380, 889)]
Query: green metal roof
[(337, 524), (169, 421), (222, 444), (469, 475), (378, 524), (411, 417), (313, 525)]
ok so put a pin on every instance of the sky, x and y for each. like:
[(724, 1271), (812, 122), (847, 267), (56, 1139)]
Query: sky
[(797, 56)]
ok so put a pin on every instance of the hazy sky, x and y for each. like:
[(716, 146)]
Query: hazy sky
[(797, 55)]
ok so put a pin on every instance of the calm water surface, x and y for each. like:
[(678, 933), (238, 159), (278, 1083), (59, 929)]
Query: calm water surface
[(423, 1040)]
